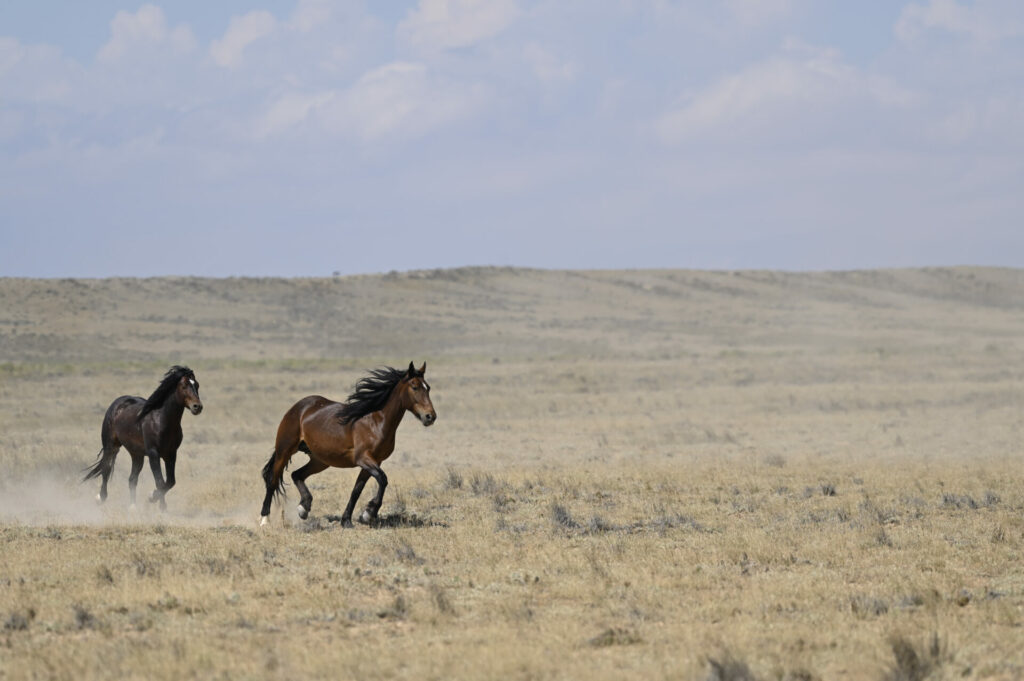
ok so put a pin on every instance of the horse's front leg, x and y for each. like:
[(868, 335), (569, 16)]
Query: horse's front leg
[(369, 514), (169, 482), (346, 517)]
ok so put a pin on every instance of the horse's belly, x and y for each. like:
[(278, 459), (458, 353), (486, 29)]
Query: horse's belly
[(338, 460), (131, 439), (330, 450)]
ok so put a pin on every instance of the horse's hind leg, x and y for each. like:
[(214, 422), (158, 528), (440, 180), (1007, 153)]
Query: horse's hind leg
[(133, 477), (110, 450), (108, 455), (299, 478)]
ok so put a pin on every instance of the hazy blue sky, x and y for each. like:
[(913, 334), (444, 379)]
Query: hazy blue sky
[(300, 138)]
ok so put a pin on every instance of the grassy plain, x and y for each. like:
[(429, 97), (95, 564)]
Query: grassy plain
[(657, 474)]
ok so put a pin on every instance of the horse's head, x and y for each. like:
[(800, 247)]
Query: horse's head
[(416, 395), (188, 393)]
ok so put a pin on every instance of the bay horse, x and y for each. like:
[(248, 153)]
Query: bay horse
[(359, 432), (147, 428)]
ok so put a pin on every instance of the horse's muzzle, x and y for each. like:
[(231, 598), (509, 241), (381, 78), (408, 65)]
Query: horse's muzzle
[(428, 419), (195, 409)]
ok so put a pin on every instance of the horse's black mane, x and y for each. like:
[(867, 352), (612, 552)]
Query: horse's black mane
[(371, 394), (165, 389)]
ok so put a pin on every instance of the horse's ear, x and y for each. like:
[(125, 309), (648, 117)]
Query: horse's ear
[(411, 371), (423, 369)]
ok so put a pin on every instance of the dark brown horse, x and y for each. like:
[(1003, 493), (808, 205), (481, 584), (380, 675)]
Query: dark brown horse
[(147, 428), (358, 432)]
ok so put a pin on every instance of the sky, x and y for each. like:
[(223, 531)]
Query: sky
[(311, 137)]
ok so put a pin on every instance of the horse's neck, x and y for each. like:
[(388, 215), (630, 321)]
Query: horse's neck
[(393, 412), (172, 409)]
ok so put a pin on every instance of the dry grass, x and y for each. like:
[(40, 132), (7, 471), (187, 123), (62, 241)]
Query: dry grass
[(651, 475)]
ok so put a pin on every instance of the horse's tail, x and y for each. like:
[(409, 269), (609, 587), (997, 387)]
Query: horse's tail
[(103, 466), (289, 437), (274, 477), (105, 459)]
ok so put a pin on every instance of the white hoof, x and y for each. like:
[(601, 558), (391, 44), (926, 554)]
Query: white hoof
[(132, 508), (303, 513), (99, 499), (365, 517), (264, 519)]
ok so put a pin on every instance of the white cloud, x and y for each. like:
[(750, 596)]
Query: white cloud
[(780, 93), (146, 29), (984, 22), (546, 66), (241, 32), (447, 24), (400, 100), (35, 73), (287, 111), (310, 14)]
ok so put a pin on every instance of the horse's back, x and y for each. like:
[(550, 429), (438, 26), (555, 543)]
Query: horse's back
[(123, 402), (120, 418), (300, 411), (309, 404)]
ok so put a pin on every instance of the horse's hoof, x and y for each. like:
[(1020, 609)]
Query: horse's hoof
[(133, 508), (99, 499), (365, 517), (264, 519), (346, 522), (303, 512)]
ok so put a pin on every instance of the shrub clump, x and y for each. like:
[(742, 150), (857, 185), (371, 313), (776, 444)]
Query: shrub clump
[(915, 662), (562, 518), (615, 636), (20, 621)]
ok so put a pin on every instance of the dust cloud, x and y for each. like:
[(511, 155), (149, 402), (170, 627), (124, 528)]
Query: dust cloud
[(49, 500), (55, 500)]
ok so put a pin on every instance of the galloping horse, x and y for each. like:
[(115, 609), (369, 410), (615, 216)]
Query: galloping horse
[(147, 428), (358, 432)]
